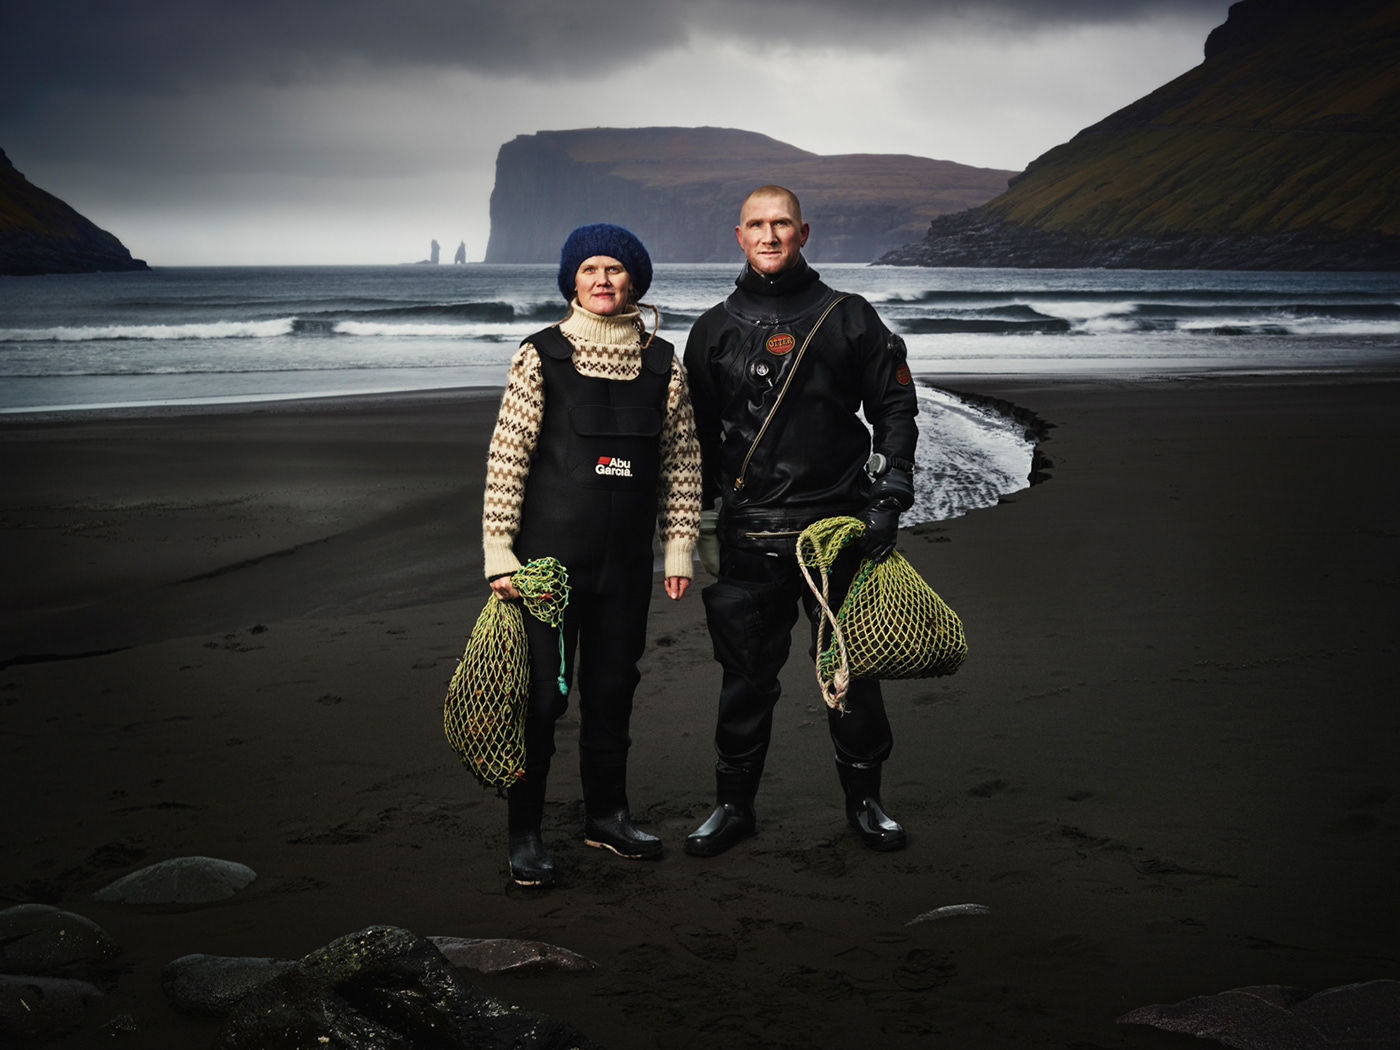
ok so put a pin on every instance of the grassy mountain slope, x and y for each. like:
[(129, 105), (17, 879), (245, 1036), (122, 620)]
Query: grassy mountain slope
[(41, 234), (1281, 150), (1297, 131)]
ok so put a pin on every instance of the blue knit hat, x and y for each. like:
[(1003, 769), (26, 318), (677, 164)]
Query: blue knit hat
[(604, 238)]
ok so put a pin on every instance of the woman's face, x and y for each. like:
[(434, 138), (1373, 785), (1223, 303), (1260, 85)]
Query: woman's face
[(602, 284)]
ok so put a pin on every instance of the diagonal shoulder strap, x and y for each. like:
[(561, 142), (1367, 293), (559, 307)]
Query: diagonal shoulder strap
[(739, 481)]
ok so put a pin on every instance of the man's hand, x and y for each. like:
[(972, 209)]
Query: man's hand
[(890, 495), (881, 529), (708, 545)]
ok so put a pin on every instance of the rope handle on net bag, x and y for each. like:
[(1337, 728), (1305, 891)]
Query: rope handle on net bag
[(739, 481), (544, 590), (827, 538)]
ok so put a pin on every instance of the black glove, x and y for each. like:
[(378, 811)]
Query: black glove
[(890, 495), (881, 529)]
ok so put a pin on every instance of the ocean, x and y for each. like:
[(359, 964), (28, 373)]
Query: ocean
[(208, 335)]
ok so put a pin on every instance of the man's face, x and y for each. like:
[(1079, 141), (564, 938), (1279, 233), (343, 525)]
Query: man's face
[(770, 235)]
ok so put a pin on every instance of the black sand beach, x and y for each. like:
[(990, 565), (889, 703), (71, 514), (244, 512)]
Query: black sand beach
[(1168, 767)]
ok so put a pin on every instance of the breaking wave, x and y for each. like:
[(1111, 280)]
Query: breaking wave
[(1195, 312), (91, 333)]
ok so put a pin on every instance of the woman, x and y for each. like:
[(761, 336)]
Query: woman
[(594, 447)]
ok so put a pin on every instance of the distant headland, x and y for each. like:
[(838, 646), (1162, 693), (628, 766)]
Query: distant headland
[(679, 190)]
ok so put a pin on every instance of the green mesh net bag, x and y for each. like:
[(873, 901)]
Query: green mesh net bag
[(890, 625), (484, 713)]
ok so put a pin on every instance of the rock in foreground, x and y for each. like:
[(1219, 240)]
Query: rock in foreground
[(385, 989), (212, 985), (180, 880), (39, 939), (495, 955), (35, 1009), (1272, 1017)]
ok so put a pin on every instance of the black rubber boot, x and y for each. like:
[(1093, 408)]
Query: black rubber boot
[(733, 819), (607, 820), (530, 863), (864, 810)]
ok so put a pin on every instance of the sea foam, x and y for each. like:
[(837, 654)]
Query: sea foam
[(92, 333), (968, 457)]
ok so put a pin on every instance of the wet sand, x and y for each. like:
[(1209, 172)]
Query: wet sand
[(1168, 766)]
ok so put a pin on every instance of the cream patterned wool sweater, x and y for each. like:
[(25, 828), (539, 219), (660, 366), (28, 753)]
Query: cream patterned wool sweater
[(605, 348)]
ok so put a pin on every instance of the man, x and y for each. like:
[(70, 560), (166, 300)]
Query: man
[(782, 455)]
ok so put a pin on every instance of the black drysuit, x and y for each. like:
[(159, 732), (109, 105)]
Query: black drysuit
[(809, 464)]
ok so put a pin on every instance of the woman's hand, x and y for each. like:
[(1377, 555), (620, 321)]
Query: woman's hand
[(503, 589), (676, 586)]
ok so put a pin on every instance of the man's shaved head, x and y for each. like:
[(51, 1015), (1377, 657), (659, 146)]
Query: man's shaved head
[(771, 231), (776, 191)]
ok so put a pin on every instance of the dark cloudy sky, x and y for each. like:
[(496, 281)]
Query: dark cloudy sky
[(353, 131)]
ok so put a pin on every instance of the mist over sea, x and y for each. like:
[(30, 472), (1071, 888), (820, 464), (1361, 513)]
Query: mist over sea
[(202, 335)]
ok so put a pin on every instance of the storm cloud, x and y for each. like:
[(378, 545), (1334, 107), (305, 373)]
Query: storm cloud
[(208, 131), (170, 45)]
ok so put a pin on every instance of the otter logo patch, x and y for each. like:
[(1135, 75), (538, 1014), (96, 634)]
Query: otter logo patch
[(779, 343), (902, 375)]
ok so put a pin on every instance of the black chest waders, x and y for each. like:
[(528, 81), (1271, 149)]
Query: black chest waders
[(591, 497), (590, 502)]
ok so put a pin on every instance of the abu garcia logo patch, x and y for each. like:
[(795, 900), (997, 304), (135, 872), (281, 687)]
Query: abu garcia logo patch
[(612, 465)]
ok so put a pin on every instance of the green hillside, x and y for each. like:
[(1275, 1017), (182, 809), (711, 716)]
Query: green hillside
[(41, 234), (1280, 151), (1293, 131)]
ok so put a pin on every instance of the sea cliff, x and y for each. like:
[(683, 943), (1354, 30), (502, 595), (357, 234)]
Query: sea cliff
[(1281, 151), (41, 234), (679, 189)]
